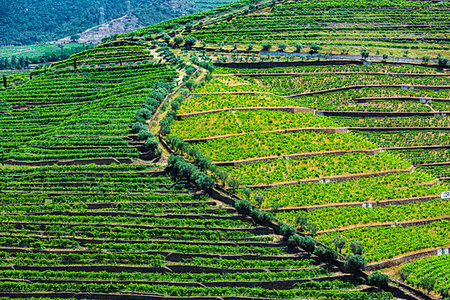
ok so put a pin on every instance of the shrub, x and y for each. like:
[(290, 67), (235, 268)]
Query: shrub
[(314, 48), (138, 126), (151, 144), (428, 283), (144, 135), (301, 220), (378, 279), (357, 248), (442, 62), (308, 244), (190, 41), (404, 274), (178, 40), (189, 84), (339, 243), (151, 104), (142, 115), (243, 207), (261, 217), (282, 46), (166, 37), (355, 262), (364, 53), (233, 184), (176, 104), (266, 46), (325, 254), (208, 77), (203, 181), (259, 199), (295, 240), (287, 230)]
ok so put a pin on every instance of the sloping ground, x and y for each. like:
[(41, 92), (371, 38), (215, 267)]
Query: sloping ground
[(82, 217), (30, 23), (95, 35), (296, 184), (83, 113), (299, 154), (114, 231), (390, 27)]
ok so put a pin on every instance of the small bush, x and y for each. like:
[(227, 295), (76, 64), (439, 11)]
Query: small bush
[(266, 46), (378, 279), (144, 135), (151, 144), (308, 244), (325, 254), (355, 262), (243, 207), (261, 217), (138, 126), (357, 248), (287, 230)]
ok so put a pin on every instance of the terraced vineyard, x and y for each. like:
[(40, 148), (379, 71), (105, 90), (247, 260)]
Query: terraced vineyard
[(123, 229), (289, 164), (390, 26), (139, 170), (81, 113)]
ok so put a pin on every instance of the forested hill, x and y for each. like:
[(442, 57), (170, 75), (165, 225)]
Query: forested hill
[(31, 21)]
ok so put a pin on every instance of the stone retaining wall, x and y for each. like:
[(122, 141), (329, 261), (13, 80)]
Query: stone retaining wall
[(401, 260), (397, 128), (294, 156), (281, 131), (378, 114), (350, 204), (97, 161), (284, 109), (339, 178)]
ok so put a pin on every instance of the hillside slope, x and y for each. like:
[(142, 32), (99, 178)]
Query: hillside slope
[(158, 164), (29, 22)]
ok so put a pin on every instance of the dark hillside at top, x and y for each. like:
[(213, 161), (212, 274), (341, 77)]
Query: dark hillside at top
[(29, 21)]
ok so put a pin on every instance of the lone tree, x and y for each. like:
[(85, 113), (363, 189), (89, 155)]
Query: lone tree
[(355, 262), (5, 82), (378, 279), (357, 248), (190, 41), (314, 48), (259, 199), (442, 62), (282, 46), (266, 46), (364, 53), (339, 243)]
